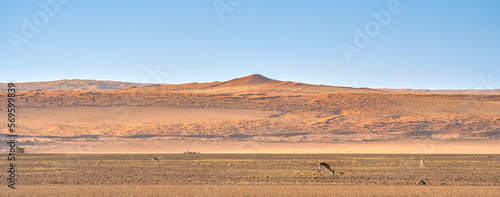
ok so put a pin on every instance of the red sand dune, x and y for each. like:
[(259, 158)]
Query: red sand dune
[(250, 109)]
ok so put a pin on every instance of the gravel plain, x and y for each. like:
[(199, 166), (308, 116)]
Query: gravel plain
[(254, 175)]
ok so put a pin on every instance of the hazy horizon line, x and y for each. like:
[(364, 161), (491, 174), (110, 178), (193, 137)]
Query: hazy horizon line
[(136, 82)]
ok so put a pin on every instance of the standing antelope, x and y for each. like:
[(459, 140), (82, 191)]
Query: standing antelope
[(326, 166), (422, 163)]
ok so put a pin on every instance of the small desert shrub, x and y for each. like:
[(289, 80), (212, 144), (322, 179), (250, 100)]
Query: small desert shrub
[(19, 149), (190, 153)]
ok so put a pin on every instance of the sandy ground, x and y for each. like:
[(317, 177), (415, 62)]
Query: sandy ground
[(216, 145), (252, 115), (251, 190), (45, 118), (254, 107)]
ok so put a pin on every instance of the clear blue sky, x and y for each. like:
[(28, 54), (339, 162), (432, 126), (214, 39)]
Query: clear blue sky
[(427, 44)]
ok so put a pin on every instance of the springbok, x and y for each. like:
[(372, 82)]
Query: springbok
[(326, 166)]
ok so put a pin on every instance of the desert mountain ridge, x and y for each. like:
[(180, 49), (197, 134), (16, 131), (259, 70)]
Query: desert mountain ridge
[(73, 85), (251, 109), (251, 84), (253, 79)]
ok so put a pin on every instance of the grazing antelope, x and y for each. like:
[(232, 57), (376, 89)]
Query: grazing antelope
[(326, 166), (155, 160), (421, 163)]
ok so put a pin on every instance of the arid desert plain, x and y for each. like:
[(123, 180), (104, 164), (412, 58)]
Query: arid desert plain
[(254, 136), (257, 175)]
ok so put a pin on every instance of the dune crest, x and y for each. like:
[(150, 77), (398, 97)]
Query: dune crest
[(255, 79)]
